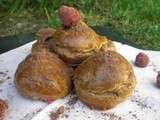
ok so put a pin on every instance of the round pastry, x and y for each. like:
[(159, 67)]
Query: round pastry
[(42, 75), (77, 41), (43, 36), (104, 80)]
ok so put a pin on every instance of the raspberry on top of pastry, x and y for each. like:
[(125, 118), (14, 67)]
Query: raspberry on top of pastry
[(75, 40)]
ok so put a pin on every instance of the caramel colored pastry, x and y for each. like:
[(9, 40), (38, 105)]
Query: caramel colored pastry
[(104, 80), (42, 75), (75, 41), (43, 36)]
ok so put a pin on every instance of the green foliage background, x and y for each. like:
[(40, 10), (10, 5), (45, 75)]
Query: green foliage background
[(136, 20)]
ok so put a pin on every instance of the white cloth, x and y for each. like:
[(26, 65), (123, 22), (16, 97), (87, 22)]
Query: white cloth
[(143, 105)]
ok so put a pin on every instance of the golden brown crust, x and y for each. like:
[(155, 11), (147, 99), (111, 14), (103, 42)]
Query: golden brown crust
[(108, 44), (42, 75), (104, 80), (43, 36), (79, 37), (78, 42), (38, 46)]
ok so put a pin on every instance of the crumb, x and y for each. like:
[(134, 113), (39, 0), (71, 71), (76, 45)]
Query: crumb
[(62, 116), (30, 115), (134, 115), (120, 118), (111, 116), (1, 73), (130, 112), (60, 110), (72, 101), (8, 77), (9, 83), (39, 110), (55, 115), (1, 81), (73, 92), (66, 116), (3, 76), (140, 102), (67, 108)]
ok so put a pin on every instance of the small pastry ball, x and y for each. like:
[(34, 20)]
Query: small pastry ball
[(104, 80), (75, 40), (142, 60), (42, 75), (43, 36)]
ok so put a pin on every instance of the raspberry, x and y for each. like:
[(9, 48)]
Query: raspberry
[(69, 16), (142, 60), (3, 107)]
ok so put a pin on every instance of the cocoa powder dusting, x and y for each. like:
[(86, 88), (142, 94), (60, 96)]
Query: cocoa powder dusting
[(72, 101), (140, 102), (4, 76), (111, 116), (55, 115)]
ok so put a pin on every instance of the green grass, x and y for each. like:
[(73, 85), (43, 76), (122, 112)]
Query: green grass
[(136, 20)]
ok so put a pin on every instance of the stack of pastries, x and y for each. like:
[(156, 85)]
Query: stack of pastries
[(102, 77)]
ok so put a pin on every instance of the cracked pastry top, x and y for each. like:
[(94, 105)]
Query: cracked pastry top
[(78, 41), (104, 80), (42, 75)]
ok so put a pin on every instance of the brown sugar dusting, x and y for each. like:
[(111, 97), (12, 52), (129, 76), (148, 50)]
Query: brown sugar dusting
[(55, 115)]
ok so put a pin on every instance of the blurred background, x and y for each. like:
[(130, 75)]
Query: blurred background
[(136, 20)]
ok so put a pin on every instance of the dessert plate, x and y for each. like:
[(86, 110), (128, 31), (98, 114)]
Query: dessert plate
[(144, 104)]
